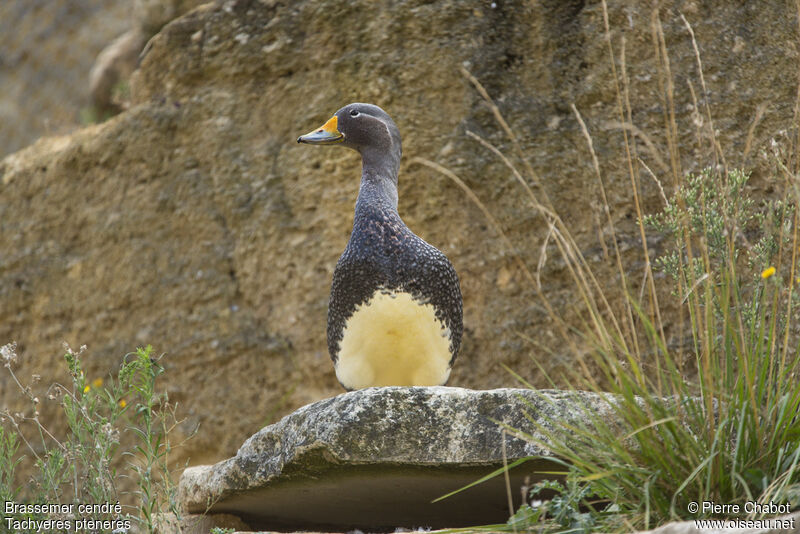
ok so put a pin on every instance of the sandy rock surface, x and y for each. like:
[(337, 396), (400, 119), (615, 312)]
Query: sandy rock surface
[(194, 222)]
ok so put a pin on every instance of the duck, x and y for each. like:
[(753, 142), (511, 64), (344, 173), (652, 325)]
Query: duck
[(395, 311)]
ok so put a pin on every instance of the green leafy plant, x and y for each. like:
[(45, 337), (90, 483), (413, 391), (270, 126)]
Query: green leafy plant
[(82, 466), (8, 451), (156, 419), (566, 510), (720, 237)]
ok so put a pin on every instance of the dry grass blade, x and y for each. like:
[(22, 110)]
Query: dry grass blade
[(590, 289), (506, 241), (535, 204), (543, 252), (507, 479), (706, 96), (667, 93), (636, 131), (748, 144), (508, 131), (576, 263), (486, 213), (607, 210), (658, 183), (792, 282), (626, 117)]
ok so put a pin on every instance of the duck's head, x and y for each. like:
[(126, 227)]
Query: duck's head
[(362, 127)]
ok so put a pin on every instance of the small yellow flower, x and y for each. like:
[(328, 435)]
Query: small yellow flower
[(122, 403), (767, 273), (87, 388), (97, 382)]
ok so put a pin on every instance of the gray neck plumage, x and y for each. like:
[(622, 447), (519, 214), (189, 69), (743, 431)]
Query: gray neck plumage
[(378, 180)]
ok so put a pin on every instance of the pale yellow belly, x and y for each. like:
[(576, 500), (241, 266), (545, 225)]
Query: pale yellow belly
[(392, 340)]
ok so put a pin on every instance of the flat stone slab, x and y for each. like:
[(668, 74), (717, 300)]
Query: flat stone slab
[(374, 459)]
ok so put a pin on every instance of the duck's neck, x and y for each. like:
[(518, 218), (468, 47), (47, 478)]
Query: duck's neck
[(378, 183)]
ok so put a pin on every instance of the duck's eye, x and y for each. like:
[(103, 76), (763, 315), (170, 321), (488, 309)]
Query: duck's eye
[(354, 113)]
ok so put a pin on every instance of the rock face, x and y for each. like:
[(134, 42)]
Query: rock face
[(195, 223), (115, 64), (60, 59), (374, 459), (46, 52)]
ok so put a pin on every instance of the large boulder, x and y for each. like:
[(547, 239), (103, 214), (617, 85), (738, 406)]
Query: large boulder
[(375, 459), (194, 222)]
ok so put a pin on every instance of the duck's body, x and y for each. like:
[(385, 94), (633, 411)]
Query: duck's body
[(395, 312)]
